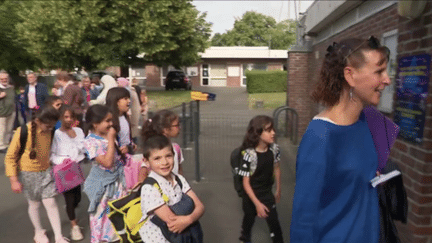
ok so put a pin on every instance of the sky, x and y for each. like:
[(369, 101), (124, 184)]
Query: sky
[(222, 13)]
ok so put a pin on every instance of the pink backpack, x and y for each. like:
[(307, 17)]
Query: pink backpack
[(131, 171), (67, 175)]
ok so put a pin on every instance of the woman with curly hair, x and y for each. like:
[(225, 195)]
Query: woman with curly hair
[(334, 200)]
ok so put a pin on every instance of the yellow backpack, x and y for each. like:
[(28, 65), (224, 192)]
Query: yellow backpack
[(125, 213)]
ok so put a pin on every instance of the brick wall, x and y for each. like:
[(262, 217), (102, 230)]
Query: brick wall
[(153, 76), (415, 37), (299, 88)]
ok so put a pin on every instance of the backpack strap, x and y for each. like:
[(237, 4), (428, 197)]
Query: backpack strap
[(23, 140), (153, 182), (179, 181)]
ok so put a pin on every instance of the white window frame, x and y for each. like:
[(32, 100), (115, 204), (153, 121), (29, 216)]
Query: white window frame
[(391, 89), (201, 74)]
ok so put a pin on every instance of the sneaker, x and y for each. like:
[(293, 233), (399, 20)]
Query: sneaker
[(41, 237), (62, 240), (76, 233)]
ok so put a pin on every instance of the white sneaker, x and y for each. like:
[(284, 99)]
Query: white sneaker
[(62, 240), (40, 237), (76, 233)]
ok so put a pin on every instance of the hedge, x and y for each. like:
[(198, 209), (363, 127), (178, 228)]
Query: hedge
[(266, 81)]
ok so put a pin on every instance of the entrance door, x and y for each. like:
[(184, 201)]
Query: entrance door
[(218, 75)]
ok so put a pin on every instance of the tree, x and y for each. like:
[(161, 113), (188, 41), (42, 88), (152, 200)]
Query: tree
[(255, 29), (13, 55), (101, 33)]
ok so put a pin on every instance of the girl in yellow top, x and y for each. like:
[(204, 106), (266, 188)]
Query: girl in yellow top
[(31, 174)]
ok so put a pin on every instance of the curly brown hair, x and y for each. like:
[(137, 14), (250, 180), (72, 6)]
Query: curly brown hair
[(349, 52)]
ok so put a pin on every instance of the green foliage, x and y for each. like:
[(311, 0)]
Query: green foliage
[(266, 81), (255, 29), (100, 33), (13, 55)]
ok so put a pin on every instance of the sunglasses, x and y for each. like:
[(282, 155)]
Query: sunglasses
[(373, 43)]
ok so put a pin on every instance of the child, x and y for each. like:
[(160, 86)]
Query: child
[(106, 180), (56, 102), (31, 173), (118, 100), (166, 123), (20, 108), (69, 143), (158, 154), (260, 163)]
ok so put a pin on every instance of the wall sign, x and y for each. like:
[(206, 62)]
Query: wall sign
[(412, 83)]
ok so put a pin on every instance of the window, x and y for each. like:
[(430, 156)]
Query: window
[(386, 101), (205, 74)]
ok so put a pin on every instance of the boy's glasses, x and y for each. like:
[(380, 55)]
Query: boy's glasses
[(373, 43)]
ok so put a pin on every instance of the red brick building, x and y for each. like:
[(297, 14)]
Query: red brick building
[(219, 66), (405, 27)]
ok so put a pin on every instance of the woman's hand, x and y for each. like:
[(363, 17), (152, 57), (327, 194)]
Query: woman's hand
[(179, 223), (16, 186), (262, 210)]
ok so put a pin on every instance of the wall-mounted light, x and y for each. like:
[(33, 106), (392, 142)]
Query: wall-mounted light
[(411, 8)]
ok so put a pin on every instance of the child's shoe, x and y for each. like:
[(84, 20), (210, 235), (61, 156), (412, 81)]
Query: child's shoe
[(40, 237), (62, 240), (76, 234)]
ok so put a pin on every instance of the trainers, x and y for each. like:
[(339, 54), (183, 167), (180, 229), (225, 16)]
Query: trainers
[(40, 237), (76, 233), (62, 240)]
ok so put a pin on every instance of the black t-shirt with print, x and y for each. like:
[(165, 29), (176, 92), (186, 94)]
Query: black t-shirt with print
[(262, 179)]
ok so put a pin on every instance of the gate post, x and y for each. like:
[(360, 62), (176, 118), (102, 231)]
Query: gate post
[(184, 128), (196, 143)]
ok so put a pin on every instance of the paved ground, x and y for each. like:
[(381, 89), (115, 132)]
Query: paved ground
[(223, 126)]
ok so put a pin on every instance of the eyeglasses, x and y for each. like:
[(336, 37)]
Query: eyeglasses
[(176, 125), (373, 43)]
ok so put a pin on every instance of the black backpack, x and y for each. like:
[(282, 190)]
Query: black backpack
[(236, 159)]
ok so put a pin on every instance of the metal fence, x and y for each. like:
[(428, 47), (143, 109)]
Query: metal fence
[(208, 138)]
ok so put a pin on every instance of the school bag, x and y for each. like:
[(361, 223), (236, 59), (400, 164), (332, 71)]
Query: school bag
[(125, 213), (236, 159)]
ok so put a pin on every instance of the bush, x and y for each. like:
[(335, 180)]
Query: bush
[(266, 81)]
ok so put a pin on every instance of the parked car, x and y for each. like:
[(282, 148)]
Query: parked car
[(177, 79)]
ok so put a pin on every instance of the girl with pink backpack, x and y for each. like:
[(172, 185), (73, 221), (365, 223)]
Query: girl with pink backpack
[(67, 152)]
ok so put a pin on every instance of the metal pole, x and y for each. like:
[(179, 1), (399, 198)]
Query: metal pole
[(197, 157), (198, 117), (184, 129), (191, 122)]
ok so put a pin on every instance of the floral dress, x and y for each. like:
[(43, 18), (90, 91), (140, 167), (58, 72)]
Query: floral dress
[(100, 225)]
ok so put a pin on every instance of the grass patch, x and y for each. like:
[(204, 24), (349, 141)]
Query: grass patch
[(159, 100), (270, 100)]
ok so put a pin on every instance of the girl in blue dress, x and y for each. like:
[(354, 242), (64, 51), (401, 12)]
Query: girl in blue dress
[(333, 199)]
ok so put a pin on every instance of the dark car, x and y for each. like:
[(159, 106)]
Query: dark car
[(177, 79)]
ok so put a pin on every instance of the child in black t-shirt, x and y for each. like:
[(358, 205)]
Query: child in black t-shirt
[(259, 166)]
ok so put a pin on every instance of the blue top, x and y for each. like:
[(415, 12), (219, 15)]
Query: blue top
[(334, 200)]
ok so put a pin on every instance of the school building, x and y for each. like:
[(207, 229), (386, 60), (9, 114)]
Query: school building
[(218, 67), (405, 27)]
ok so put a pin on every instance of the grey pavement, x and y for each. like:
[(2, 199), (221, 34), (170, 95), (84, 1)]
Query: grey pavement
[(223, 124)]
